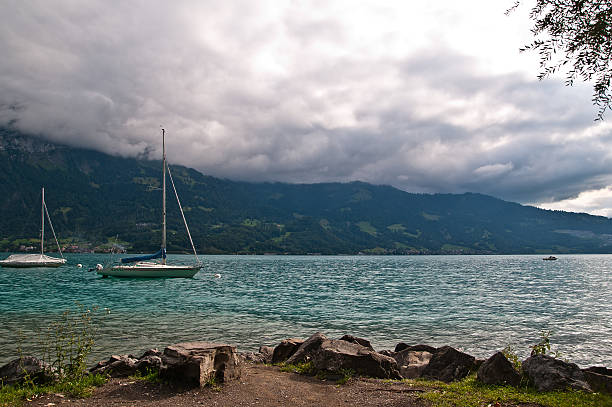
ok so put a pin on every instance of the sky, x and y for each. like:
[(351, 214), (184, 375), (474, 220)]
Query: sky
[(430, 98)]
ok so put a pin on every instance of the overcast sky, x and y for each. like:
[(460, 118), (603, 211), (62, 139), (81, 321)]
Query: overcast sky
[(425, 97)]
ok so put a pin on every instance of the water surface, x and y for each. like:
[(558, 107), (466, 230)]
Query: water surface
[(478, 304)]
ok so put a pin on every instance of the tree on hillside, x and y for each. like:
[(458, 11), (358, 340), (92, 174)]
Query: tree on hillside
[(575, 36)]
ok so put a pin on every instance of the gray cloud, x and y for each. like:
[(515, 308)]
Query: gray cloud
[(283, 92)]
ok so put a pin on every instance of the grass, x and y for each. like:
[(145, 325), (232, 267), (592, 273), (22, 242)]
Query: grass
[(150, 376), (305, 368), (65, 344), (78, 388), (472, 393)]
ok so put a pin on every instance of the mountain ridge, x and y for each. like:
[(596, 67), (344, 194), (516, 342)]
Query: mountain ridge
[(94, 197)]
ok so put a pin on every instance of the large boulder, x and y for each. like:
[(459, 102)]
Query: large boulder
[(411, 364), (449, 364), (549, 374), (417, 348), (498, 370), (25, 368), (360, 341), (199, 363), (307, 348), (599, 378), (116, 366), (285, 349), (335, 355)]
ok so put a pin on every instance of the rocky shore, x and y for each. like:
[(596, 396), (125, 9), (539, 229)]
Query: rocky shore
[(196, 365)]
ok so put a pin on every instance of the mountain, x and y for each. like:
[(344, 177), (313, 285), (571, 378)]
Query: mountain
[(95, 199)]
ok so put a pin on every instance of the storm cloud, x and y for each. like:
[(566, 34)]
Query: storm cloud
[(425, 98)]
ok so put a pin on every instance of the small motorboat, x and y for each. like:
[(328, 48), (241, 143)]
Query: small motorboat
[(550, 258)]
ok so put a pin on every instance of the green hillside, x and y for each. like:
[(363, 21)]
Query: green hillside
[(94, 198)]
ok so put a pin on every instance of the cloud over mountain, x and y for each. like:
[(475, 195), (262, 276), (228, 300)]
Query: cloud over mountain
[(426, 98)]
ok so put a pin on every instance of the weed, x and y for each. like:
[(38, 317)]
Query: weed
[(150, 375), (513, 357), (213, 384), (543, 347), (65, 345), (347, 374)]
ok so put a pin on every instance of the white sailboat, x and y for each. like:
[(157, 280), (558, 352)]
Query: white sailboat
[(141, 267), (39, 259)]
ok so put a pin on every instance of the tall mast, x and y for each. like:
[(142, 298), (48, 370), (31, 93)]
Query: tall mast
[(164, 196), (42, 222)]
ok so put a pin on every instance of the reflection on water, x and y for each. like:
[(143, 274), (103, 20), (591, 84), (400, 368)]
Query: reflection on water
[(476, 303)]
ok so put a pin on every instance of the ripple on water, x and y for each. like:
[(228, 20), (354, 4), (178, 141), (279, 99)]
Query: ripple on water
[(476, 303)]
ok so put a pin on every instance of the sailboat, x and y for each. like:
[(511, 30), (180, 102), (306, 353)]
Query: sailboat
[(140, 266), (40, 259)]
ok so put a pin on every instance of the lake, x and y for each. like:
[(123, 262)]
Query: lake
[(478, 304)]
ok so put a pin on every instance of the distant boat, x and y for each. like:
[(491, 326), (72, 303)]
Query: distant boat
[(151, 269), (550, 258), (39, 259)]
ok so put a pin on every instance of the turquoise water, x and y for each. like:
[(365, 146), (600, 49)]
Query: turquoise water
[(475, 303)]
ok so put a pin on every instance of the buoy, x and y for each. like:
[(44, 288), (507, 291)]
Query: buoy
[(79, 265), (217, 275)]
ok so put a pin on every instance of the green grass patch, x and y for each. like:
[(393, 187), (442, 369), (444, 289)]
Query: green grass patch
[(429, 216), (81, 387), (472, 393), (150, 375), (367, 228), (397, 228), (250, 223), (147, 181), (305, 368)]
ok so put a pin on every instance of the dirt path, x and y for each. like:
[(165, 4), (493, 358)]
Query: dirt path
[(259, 386)]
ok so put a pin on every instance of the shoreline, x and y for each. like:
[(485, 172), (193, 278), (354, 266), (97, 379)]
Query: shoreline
[(302, 372)]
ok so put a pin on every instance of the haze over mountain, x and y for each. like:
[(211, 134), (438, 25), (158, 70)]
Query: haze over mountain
[(94, 197)]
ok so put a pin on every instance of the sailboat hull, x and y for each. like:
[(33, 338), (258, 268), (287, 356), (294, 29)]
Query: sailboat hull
[(31, 261), (151, 270)]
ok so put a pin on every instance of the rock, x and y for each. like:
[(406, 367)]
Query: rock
[(17, 370), (149, 363), (151, 352), (360, 341), (549, 374), (498, 370), (197, 363), (285, 349), (334, 355), (599, 370), (116, 366), (417, 348), (267, 352), (401, 346), (411, 364), (307, 348), (599, 379), (448, 364), (253, 357)]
